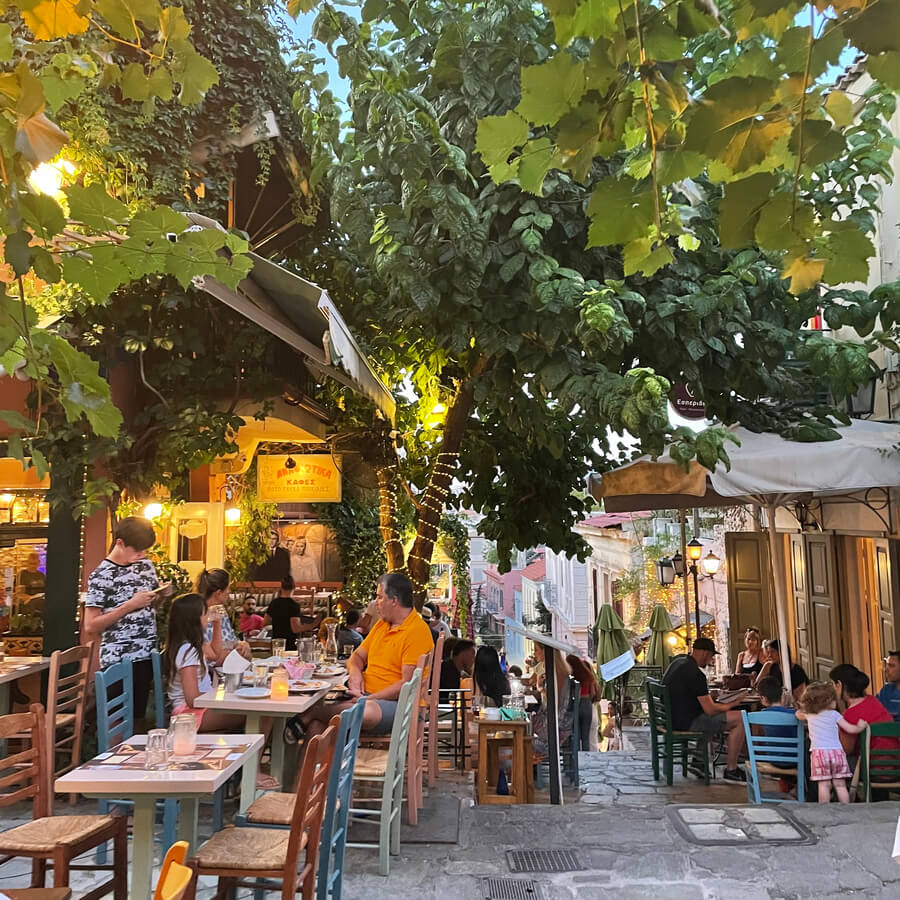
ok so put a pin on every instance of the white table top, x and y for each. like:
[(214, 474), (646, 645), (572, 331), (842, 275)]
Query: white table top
[(219, 698), (15, 667), (95, 779)]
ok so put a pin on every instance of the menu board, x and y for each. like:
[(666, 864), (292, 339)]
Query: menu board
[(127, 756)]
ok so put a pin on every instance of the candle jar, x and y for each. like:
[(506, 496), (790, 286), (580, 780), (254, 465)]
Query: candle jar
[(280, 684), (183, 734)]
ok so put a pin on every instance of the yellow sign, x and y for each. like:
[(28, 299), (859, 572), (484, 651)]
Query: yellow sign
[(312, 479)]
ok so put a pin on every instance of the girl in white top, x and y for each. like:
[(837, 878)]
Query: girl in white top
[(827, 762)]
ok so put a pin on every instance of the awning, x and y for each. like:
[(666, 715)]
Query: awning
[(764, 465), (302, 315)]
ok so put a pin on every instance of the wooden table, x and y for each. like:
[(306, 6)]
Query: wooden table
[(492, 735), (103, 780), (256, 710), (62, 893), (12, 669)]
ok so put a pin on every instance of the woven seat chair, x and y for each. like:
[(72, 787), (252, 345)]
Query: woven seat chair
[(257, 857), (56, 839), (385, 768)]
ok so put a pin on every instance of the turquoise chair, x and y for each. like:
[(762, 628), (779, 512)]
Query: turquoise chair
[(160, 704), (115, 723), (776, 757), (333, 837)]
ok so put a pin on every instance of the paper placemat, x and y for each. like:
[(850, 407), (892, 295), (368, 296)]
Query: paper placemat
[(126, 756)]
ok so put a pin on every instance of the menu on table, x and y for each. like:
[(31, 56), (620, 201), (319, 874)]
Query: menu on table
[(127, 756)]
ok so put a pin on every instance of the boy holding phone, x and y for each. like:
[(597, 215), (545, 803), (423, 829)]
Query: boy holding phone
[(119, 609)]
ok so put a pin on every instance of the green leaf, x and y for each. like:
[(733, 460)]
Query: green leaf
[(779, 227), (44, 266), (134, 82), (661, 42), (538, 157), (39, 461), (874, 30), (98, 271), (847, 252), (93, 207), (195, 73), (43, 214), (840, 107), (499, 136), (620, 211), (739, 210), (295, 7), (6, 42), (821, 143), (728, 124), (16, 420), (18, 253), (676, 165), (640, 258), (885, 67), (551, 89), (591, 19), (511, 267)]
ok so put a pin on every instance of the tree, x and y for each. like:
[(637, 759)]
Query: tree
[(517, 347)]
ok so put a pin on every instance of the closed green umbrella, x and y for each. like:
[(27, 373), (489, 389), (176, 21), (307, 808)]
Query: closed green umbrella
[(658, 653), (611, 643)]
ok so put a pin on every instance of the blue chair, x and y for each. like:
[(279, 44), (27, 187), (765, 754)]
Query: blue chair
[(160, 702), (115, 723), (275, 809), (777, 756)]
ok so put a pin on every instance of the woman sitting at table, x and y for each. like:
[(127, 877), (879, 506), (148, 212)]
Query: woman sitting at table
[(490, 682), (187, 670), (772, 669), (749, 660)]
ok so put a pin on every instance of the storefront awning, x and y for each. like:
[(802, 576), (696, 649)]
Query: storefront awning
[(302, 315)]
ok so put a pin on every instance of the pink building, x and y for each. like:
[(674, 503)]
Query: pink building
[(500, 590)]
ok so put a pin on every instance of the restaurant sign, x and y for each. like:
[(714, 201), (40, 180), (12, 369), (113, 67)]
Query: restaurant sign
[(685, 403), (312, 478)]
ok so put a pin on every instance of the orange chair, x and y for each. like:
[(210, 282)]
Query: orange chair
[(175, 877)]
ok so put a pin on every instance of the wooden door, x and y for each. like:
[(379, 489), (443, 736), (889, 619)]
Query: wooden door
[(800, 593), (870, 637), (884, 594), (749, 594), (824, 614)]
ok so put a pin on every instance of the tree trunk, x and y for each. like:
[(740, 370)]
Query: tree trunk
[(434, 499), (387, 515)]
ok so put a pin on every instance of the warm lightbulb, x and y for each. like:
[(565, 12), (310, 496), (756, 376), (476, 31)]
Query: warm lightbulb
[(232, 515), (672, 639), (6, 499), (711, 563), (694, 550), (153, 510), (438, 408), (48, 177)]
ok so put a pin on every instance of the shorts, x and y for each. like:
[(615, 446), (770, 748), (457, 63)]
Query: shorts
[(827, 764), (709, 724), (388, 711)]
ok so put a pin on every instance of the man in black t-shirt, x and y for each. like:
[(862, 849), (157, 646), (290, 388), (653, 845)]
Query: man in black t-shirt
[(694, 710)]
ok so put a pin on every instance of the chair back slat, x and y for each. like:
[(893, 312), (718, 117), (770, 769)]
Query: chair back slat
[(309, 807), (337, 805), (658, 707), (115, 714), (879, 766), (400, 733), (784, 751), (26, 777)]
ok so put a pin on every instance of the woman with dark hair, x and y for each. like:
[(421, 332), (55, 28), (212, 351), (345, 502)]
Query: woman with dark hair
[(212, 585), (490, 682), (772, 669), (589, 693)]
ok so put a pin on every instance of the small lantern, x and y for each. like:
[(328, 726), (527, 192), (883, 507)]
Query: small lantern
[(678, 563), (665, 571), (711, 563), (694, 550)]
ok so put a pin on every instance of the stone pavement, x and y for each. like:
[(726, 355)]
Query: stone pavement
[(624, 832)]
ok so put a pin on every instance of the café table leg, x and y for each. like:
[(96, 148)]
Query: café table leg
[(277, 752), (251, 766), (187, 821), (142, 846)]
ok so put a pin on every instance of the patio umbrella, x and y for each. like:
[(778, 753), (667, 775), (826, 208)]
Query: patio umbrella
[(611, 643), (658, 649)]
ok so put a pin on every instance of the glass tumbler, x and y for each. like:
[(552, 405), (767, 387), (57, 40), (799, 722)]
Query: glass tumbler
[(278, 646), (157, 749), (260, 674)]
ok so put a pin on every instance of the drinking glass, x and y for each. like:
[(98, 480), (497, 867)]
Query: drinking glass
[(157, 749), (184, 734), (260, 674), (278, 646)]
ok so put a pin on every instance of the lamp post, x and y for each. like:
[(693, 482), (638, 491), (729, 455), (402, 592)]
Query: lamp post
[(694, 552)]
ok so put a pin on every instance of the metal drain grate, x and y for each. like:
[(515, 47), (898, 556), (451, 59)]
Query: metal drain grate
[(510, 889), (543, 861)]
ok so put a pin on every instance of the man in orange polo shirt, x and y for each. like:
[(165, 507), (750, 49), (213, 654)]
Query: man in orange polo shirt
[(380, 666)]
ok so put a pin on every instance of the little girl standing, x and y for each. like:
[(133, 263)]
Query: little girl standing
[(828, 762)]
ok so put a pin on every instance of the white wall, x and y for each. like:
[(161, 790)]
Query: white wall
[(566, 596)]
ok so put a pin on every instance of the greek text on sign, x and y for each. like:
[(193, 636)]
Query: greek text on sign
[(313, 479)]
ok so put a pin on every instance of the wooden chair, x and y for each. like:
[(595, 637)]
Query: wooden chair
[(275, 809), (878, 768), (433, 718), (56, 839), (65, 710), (386, 768), (665, 741), (175, 877), (778, 756), (252, 857)]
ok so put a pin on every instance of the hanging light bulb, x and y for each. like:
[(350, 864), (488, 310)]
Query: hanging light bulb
[(232, 515), (153, 510)]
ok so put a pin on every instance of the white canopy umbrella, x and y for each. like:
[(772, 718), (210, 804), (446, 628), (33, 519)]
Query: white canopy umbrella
[(767, 471)]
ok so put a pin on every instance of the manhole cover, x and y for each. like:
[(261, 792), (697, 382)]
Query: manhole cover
[(736, 825), (543, 861), (510, 889)]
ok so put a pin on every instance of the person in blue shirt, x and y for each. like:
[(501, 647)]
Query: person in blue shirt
[(770, 691), (889, 695)]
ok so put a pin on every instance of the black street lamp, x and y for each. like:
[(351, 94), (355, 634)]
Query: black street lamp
[(694, 552)]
